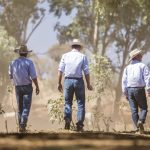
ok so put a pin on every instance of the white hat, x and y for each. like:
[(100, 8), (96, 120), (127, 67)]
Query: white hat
[(134, 53), (76, 42)]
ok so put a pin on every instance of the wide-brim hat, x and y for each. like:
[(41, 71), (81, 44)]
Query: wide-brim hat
[(76, 42), (134, 53), (22, 50)]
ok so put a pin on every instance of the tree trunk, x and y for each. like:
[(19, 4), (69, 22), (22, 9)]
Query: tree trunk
[(118, 89)]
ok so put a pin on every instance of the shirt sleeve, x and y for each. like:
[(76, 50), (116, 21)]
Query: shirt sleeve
[(146, 74), (10, 71), (32, 71), (85, 65), (62, 64), (124, 82)]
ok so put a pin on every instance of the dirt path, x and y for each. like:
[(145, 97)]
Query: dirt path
[(75, 141)]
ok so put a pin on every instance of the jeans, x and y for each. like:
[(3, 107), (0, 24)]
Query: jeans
[(24, 98), (76, 86), (137, 99)]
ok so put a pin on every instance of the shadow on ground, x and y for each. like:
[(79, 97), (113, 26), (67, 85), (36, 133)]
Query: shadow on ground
[(75, 141)]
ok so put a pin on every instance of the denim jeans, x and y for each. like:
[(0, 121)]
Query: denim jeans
[(76, 86), (137, 99), (24, 98)]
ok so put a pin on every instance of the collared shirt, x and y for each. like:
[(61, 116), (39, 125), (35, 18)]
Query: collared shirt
[(73, 63), (22, 70), (136, 74)]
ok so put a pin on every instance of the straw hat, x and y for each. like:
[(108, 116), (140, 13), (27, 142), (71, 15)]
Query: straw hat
[(134, 53), (22, 50), (76, 42)]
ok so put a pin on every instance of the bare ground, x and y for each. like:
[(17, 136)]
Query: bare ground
[(75, 141)]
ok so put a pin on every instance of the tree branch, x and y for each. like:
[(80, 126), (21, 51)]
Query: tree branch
[(40, 21)]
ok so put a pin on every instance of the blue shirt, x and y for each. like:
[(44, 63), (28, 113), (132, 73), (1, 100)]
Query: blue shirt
[(22, 70), (136, 74), (73, 63)]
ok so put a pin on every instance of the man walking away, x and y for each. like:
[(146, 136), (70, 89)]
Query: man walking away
[(72, 64), (22, 72), (136, 77)]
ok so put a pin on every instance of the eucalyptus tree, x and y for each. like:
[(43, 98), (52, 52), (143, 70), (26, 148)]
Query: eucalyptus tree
[(117, 26), (131, 28), (7, 44), (17, 15), (91, 23)]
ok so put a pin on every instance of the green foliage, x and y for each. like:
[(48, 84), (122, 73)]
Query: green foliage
[(101, 73), (1, 110), (56, 51), (55, 109), (15, 16), (7, 45), (83, 24)]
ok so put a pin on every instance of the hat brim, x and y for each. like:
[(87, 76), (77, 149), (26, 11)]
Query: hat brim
[(21, 52), (77, 43), (139, 53)]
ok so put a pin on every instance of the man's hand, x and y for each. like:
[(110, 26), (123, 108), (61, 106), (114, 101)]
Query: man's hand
[(148, 94), (126, 97), (60, 88), (90, 87), (37, 91)]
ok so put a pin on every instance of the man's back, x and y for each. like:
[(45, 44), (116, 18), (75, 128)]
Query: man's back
[(135, 74), (22, 70), (72, 64)]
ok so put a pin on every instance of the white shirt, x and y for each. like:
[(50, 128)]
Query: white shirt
[(73, 63), (136, 74)]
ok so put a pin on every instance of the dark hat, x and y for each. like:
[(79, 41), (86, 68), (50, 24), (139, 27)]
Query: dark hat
[(22, 49)]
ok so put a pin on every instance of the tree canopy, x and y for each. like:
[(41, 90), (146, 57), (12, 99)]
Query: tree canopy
[(16, 15), (110, 27), (7, 45)]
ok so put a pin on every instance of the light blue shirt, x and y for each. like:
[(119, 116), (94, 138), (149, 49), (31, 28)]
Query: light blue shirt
[(136, 74), (73, 63), (22, 71)]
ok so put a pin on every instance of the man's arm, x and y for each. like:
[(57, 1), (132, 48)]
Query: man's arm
[(86, 73), (37, 90), (10, 71), (60, 72), (60, 88), (89, 86), (124, 83), (32, 73), (146, 74)]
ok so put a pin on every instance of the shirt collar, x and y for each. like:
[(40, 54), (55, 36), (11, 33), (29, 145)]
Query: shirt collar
[(22, 57), (75, 50), (135, 61)]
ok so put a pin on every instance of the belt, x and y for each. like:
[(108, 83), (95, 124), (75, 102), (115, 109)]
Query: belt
[(137, 87), (23, 85), (73, 78)]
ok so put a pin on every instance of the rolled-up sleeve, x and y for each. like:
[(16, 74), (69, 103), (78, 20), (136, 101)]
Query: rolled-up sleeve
[(32, 71), (85, 65), (124, 82), (10, 71), (146, 74), (62, 64)]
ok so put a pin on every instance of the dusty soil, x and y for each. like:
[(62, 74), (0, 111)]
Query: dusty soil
[(75, 141), (47, 136)]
